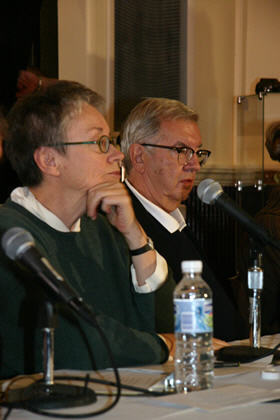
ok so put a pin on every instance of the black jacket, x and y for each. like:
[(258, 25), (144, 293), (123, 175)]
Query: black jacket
[(178, 246)]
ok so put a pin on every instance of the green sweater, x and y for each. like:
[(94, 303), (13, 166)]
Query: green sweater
[(96, 262)]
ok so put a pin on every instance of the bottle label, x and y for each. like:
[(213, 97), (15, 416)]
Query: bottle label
[(193, 316)]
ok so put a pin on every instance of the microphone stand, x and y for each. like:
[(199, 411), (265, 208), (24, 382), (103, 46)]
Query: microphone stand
[(48, 344), (45, 394), (255, 286), (211, 192), (240, 353)]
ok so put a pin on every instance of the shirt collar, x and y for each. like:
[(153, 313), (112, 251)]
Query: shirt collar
[(24, 197), (171, 221)]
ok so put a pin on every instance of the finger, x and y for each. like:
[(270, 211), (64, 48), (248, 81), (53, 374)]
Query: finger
[(101, 200), (107, 208), (218, 344), (113, 199), (92, 207)]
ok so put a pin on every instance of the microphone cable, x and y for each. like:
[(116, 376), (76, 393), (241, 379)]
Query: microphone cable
[(18, 239), (24, 404)]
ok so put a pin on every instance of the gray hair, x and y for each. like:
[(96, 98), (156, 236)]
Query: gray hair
[(41, 119), (145, 119)]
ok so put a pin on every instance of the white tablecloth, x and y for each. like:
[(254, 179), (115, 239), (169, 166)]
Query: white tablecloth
[(236, 395)]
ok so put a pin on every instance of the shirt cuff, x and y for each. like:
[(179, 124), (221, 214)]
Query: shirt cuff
[(156, 280)]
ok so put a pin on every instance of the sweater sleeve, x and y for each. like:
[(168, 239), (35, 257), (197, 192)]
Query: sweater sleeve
[(78, 345), (129, 347), (125, 317)]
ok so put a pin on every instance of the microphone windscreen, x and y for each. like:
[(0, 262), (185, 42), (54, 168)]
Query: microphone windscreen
[(15, 241), (208, 190)]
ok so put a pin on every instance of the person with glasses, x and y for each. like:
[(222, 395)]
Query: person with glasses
[(82, 221), (163, 152)]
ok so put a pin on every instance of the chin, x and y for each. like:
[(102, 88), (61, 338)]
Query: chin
[(114, 178), (185, 195)]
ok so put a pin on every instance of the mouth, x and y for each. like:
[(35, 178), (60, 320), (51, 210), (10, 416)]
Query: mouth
[(187, 181), (115, 173)]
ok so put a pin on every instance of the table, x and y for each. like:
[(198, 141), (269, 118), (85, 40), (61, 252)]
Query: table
[(237, 393)]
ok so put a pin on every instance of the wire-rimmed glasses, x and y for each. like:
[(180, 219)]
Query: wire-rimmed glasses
[(185, 153), (103, 143)]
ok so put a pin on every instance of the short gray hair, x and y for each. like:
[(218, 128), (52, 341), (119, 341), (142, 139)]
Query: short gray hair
[(41, 119), (144, 121)]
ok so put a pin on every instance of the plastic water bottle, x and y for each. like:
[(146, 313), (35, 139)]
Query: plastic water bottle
[(194, 355)]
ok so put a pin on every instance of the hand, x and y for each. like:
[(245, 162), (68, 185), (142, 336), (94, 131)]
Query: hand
[(218, 344), (27, 83), (170, 341), (114, 200)]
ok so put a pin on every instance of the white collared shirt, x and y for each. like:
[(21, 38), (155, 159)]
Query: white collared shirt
[(171, 221), (24, 197)]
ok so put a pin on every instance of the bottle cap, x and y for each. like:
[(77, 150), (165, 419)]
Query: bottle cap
[(193, 266)]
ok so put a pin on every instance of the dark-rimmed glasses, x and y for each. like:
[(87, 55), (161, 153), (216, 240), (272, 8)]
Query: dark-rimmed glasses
[(103, 143), (185, 153)]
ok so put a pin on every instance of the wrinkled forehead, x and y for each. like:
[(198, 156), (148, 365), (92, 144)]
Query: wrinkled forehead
[(86, 119), (81, 110), (179, 131)]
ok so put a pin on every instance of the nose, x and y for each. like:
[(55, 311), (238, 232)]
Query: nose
[(192, 164), (114, 154)]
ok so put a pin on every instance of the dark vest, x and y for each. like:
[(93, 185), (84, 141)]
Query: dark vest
[(178, 246)]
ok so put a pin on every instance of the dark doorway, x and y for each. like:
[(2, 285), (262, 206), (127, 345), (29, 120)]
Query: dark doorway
[(28, 39)]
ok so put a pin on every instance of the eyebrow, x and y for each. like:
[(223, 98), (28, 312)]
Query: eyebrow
[(92, 131), (181, 144), (99, 129)]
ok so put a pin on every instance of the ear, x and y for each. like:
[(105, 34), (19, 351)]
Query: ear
[(46, 160), (137, 157)]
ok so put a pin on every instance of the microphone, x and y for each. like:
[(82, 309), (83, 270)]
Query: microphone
[(211, 192), (18, 244)]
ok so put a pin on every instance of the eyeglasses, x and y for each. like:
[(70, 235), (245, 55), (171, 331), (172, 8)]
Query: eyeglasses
[(103, 143), (185, 153)]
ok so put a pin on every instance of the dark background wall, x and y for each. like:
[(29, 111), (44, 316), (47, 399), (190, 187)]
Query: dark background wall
[(150, 52), (28, 38)]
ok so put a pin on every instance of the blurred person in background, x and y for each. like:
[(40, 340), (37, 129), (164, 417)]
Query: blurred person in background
[(269, 218)]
